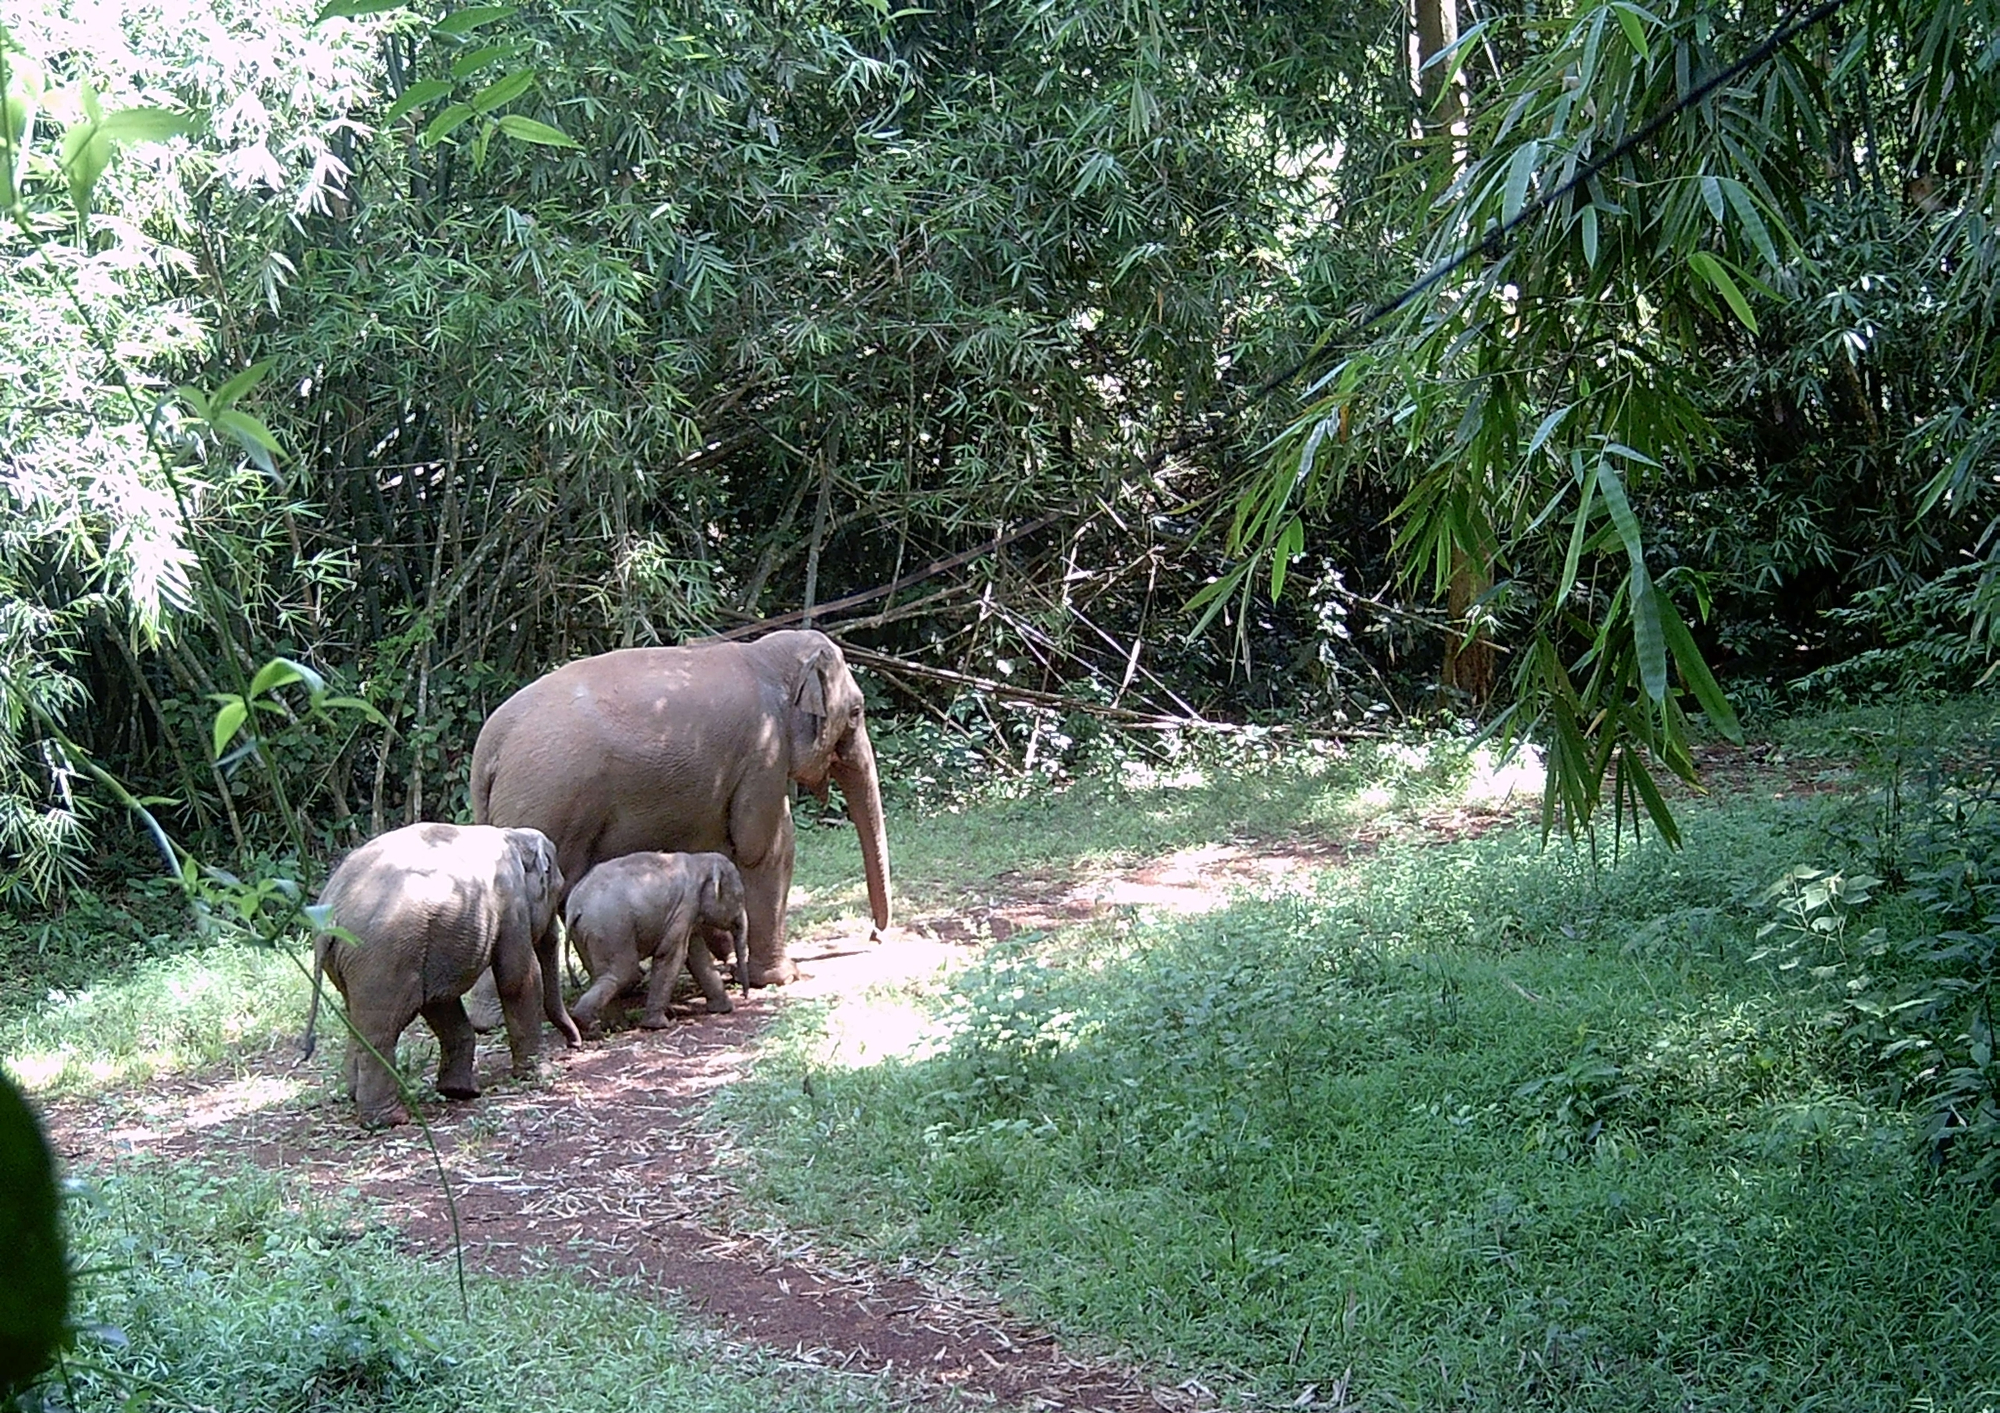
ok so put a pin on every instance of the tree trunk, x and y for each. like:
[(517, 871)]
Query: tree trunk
[(1468, 663)]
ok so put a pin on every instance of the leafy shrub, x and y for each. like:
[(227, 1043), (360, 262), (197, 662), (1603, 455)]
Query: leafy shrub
[(1918, 1007)]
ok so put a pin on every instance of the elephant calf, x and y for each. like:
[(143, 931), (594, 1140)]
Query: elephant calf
[(650, 905), (421, 912)]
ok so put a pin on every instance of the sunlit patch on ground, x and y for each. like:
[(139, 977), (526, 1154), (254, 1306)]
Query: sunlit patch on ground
[(1138, 775), (38, 1070), (206, 1108), (870, 1029), (1495, 780)]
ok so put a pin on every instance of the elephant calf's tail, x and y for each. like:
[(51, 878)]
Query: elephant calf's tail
[(312, 1012)]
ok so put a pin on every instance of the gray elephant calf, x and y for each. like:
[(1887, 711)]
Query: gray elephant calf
[(650, 905), (427, 909)]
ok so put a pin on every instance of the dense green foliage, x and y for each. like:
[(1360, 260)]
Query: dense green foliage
[(429, 347), (1715, 373)]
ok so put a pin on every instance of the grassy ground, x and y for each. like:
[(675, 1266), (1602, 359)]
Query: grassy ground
[(227, 1291), (96, 999), (1481, 1125), (1487, 1125)]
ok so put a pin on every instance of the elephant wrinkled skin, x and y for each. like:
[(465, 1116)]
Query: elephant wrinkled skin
[(651, 905), (426, 911), (689, 750)]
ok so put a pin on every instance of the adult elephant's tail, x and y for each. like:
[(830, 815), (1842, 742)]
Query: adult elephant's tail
[(485, 764)]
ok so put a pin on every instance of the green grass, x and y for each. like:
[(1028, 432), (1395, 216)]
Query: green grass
[(162, 1015), (1492, 1126), (1220, 791), (1487, 1125), (229, 1290)]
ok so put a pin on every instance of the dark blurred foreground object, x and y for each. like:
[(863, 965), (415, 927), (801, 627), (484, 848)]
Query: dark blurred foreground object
[(34, 1282)]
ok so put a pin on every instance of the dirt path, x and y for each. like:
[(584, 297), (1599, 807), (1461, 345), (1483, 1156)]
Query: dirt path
[(604, 1169)]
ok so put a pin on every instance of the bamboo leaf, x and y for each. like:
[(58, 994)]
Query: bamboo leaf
[(1578, 532), (278, 672), (1648, 641), (1635, 32), (471, 18), (415, 96), (1711, 195), (239, 384), (1747, 215), (466, 65), (528, 130), (144, 125), (1291, 541), (355, 9), (1635, 770), (1520, 171), (446, 123), (1543, 432), (235, 711), (503, 91), (1694, 671), (355, 704), (86, 152), (1718, 278), (1620, 509)]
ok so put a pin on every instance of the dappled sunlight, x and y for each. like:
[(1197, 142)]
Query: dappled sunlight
[(1496, 779), (1139, 775)]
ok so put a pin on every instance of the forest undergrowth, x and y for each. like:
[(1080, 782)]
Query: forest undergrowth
[(1476, 1124)]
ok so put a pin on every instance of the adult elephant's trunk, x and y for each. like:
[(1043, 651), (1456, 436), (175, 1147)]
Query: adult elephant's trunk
[(854, 768)]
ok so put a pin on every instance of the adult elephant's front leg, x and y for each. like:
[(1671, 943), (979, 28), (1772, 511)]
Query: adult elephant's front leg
[(766, 887)]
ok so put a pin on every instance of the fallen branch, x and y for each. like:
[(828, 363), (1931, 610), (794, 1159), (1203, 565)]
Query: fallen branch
[(931, 570), (1149, 721)]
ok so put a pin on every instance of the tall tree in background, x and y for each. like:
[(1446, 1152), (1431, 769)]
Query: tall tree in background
[(1438, 73)]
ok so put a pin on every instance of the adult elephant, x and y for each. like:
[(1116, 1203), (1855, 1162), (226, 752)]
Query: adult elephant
[(689, 750)]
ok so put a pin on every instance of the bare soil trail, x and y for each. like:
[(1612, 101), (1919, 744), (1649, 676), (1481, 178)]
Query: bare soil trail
[(605, 1171)]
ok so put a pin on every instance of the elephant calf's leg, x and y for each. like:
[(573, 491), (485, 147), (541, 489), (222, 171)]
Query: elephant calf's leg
[(667, 963), (448, 1021), (519, 979), (614, 968), (701, 961), (377, 1091)]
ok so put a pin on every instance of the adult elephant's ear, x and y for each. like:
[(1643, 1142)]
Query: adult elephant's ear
[(811, 749), (34, 1281)]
